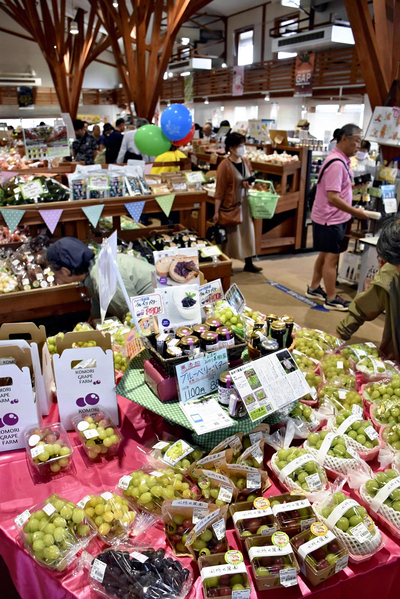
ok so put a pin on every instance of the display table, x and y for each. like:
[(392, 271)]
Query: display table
[(377, 577)]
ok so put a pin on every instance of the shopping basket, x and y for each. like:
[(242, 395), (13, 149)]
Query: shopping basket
[(263, 203)]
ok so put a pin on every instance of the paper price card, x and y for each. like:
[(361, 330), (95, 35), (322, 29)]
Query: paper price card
[(195, 177), (210, 251), (32, 190), (200, 377), (211, 293), (147, 305)]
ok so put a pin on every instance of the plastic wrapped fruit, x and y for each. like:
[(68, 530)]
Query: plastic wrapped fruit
[(111, 513), (315, 343), (359, 433), (304, 416), (273, 561), (292, 512), (216, 488), (52, 343), (120, 363), (330, 448), (387, 411), (179, 454), (335, 365), (143, 574), (150, 489), (382, 494), (252, 518), (351, 523), (254, 455), (8, 283), (391, 434), (233, 442), (320, 553), (341, 398), (356, 351), (180, 517), (99, 435), (49, 448), (374, 368), (255, 435), (209, 535), (385, 389), (55, 531), (305, 363), (221, 576), (250, 482), (223, 313), (210, 462), (297, 469)]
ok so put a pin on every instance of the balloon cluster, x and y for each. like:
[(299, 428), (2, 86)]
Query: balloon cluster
[(176, 127)]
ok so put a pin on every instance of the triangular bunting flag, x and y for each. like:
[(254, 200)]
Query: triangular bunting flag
[(93, 213), (165, 202), (51, 218), (12, 217), (135, 209)]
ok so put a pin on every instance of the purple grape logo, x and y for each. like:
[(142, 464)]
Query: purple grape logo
[(96, 382), (91, 400), (9, 419), (15, 401)]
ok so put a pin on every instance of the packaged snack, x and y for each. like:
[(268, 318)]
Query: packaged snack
[(251, 518), (224, 574), (138, 572), (319, 553), (180, 516), (254, 455), (210, 462), (382, 496), (301, 471), (251, 482), (351, 524), (152, 485), (292, 512), (209, 535), (384, 389), (78, 186), (359, 433), (273, 561), (112, 515), (99, 436), (49, 448), (342, 398), (386, 411), (332, 452), (177, 454), (216, 488), (54, 531)]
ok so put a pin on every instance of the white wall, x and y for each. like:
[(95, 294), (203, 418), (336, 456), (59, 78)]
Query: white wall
[(245, 19), (13, 115)]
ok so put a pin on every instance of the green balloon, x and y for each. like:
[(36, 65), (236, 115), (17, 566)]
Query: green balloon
[(150, 140)]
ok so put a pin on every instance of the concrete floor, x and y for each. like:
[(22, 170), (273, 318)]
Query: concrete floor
[(294, 272)]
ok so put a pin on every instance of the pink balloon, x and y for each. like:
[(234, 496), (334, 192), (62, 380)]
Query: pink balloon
[(187, 139)]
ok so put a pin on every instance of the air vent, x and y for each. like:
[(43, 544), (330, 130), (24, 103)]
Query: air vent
[(332, 36), (299, 39)]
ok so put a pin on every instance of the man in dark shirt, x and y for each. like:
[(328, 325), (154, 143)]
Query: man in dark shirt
[(113, 140), (84, 148)]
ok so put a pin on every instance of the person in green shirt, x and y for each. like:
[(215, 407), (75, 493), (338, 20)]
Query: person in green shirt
[(73, 262), (382, 296)]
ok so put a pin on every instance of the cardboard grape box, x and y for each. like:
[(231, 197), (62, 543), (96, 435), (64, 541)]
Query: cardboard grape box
[(272, 580)]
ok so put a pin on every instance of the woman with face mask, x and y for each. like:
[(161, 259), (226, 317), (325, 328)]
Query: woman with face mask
[(232, 208), (363, 152)]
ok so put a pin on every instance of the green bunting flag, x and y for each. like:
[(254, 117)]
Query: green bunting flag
[(93, 213), (165, 202), (12, 217)]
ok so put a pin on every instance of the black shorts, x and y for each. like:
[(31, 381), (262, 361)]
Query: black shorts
[(328, 238)]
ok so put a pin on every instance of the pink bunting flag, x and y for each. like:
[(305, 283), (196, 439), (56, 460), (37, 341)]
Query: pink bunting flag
[(51, 218)]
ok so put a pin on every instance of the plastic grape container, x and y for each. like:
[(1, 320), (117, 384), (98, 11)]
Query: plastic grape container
[(335, 365), (301, 471), (176, 454), (54, 531), (385, 389), (112, 515), (252, 518), (356, 351), (99, 436), (391, 435), (208, 536), (382, 496), (332, 452), (220, 578), (49, 448), (292, 512), (359, 433), (341, 398), (387, 411), (251, 482), (272, 559)]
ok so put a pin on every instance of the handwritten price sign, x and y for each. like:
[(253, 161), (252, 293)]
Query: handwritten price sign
[(200, 377), (211, 293), (148, 305)]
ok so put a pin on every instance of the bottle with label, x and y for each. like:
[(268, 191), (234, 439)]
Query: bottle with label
[(213, 323), (237, 410), (270, 318), (162, 340), (183, 332), (225, 385), (226, 338), (209, 341), (289, 321), (189, 344), (278, 332), (199, 329)]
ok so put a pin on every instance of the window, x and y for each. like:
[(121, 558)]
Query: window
[(288, 27), (244, 46)]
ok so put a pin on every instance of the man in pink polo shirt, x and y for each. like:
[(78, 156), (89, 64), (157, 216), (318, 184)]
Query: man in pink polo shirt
[(330, 214)]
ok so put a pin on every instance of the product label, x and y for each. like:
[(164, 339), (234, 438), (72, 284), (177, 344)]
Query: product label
[(241, 594), (82, 425), (255, 437), (257, 454), (33, 439), (225, 493), (384, 493), (290, 506), (347, 423), (22, 518), (233, 557), (123, 482), (177, 452), (219, 529), (357, 410), (81, 504), (342, 563), (294, 464), (261, 503), (49, 509), (98, 570), (305, 524), (161, 445), (253, 481), (220, 477), (269, 550), (280, 539), (342, 393), (157, 473), (202, 525), (250, 514), (215, 457), (361, 533), (211, 571), (107, 495), (139, 556), (288, 577), (340, 510), (35, 451), (316, 543), (199, 513), (371, 433), (91, 433)]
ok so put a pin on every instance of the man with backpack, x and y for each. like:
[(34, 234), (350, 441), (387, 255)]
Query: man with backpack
[(331, 211)]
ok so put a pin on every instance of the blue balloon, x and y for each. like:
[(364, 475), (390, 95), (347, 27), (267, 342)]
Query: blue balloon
[(176, 122)]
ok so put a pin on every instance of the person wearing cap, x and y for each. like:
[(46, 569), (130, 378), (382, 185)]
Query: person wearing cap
[(84, 148), (73, 262), (128, 149)]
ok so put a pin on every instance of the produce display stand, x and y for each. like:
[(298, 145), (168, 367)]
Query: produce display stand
[(59, 173)]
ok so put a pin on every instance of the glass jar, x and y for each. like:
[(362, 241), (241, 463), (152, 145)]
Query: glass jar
[(255, 339), (199, 329), (237, 410), (209, 341), (269, 346), (183, 332), (173, 351), (213, 323), (162, 340), (226, 338), (289, 321), (189, 343), (270, 318), (278, 332), (225, 385)]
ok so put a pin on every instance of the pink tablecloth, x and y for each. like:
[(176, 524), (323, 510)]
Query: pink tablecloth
[(20, 490)]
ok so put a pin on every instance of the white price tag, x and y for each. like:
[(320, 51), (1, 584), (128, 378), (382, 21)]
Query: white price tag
[(255, 437), (342, 393), (241, 594), (198, 514), (219, 529), (371, 433), (98, 570), (225, 493), (91, 433), (123, 482), (139, 556), (49, 509), (31, 190), (339, 364), (161, 444), (82, 425), (157, 474), (305, 524), (288, 577), (353, 452), (342, 563), (253, 480), (257, 454), (107, 495), (22, 518), (361, 533), (314, 481), (357, 410), (33, 439), (35, 451), (81, 504)]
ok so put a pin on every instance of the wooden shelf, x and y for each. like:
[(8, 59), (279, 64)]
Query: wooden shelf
[(276, 169)]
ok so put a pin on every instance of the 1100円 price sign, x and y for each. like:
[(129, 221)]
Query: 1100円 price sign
[(199, 377)]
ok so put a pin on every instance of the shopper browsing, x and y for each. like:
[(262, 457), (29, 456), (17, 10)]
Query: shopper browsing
[(128, 150), (382, 296), (73, 262), (330, 214), (232, 207), (84, 148), (113, 140)]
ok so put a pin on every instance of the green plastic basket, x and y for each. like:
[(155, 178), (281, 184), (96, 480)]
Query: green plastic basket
[(263, 203)]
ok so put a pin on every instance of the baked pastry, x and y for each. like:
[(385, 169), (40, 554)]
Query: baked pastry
[(178, 271), (163, 265)]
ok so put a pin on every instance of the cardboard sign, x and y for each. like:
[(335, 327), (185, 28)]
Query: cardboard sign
[(199, 377), (85, 376)]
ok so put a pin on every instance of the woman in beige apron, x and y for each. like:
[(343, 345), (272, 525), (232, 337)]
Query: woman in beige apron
[(232, 202)]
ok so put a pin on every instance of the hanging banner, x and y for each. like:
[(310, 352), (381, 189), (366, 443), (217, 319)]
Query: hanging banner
[(93, 213), (165, 203), (12, 218), (51, 218), (238, 80), (46, 142), (188, 88), (91, 119), (304, 70), (25, 98), (135, 210)]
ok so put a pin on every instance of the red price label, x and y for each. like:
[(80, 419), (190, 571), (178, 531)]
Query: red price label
[(152, 311)]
